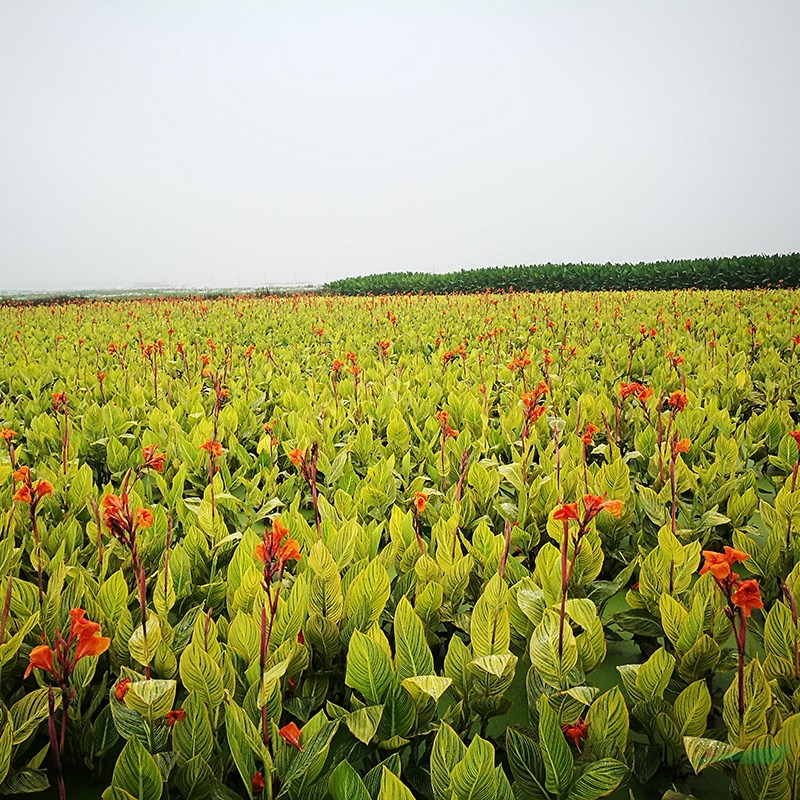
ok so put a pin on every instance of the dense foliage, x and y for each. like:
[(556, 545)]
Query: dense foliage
[(436, 547), (740, 272)]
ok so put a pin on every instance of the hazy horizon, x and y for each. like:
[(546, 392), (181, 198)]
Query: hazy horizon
[(245, 144)]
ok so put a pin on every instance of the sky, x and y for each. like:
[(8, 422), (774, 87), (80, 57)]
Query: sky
[(233, 143)]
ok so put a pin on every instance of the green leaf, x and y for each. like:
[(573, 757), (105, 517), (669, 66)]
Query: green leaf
[(558, 766), (704, 752), (369, 670), (392, 788), (246, 747), (762, 771), (654, 675), (137, 773), (474, 777), (447, 751), (598, 779), (363, 723), (192, 736), (143, 648), (526, 764), (691, 709), (152, 699), (28, 712), (200, 673), (344, 784), (412, 654), (490, 626), (608, 723)]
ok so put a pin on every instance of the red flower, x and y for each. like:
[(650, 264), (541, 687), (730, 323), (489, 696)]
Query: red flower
[(796, 436), (171, 717), (43, 488), (291, 735), (121, 688), (114, 514), (747, 596), (567, 512), (576, 733), (258, 783)]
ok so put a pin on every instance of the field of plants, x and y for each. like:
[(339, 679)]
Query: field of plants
[(736, 272), (478, 547)]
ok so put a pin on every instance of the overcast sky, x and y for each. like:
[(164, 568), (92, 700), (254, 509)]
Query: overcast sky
[(240, 143)]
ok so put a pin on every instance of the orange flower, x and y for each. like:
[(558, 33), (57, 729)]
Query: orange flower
[(796, 436), (683, 445), (420, 501), (274, 551), (716, 564), (43, 488), (113, 515), (21, 475), (144, 517), (152, 458), (80, 626), (7, 434), (735, 556), (22, 495), (214, 449), (290, 551), (678, 401), (614, 507), (41, 658), (337, 365), (171, 717), (121, 688), (589, 433), (91, 645), (644, 394), (297, 457), (719, 564), (747, 596), (593, 504), (567, 512), (291, 735)]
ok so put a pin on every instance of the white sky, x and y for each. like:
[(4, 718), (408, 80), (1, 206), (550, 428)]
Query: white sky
[(239, 143)]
